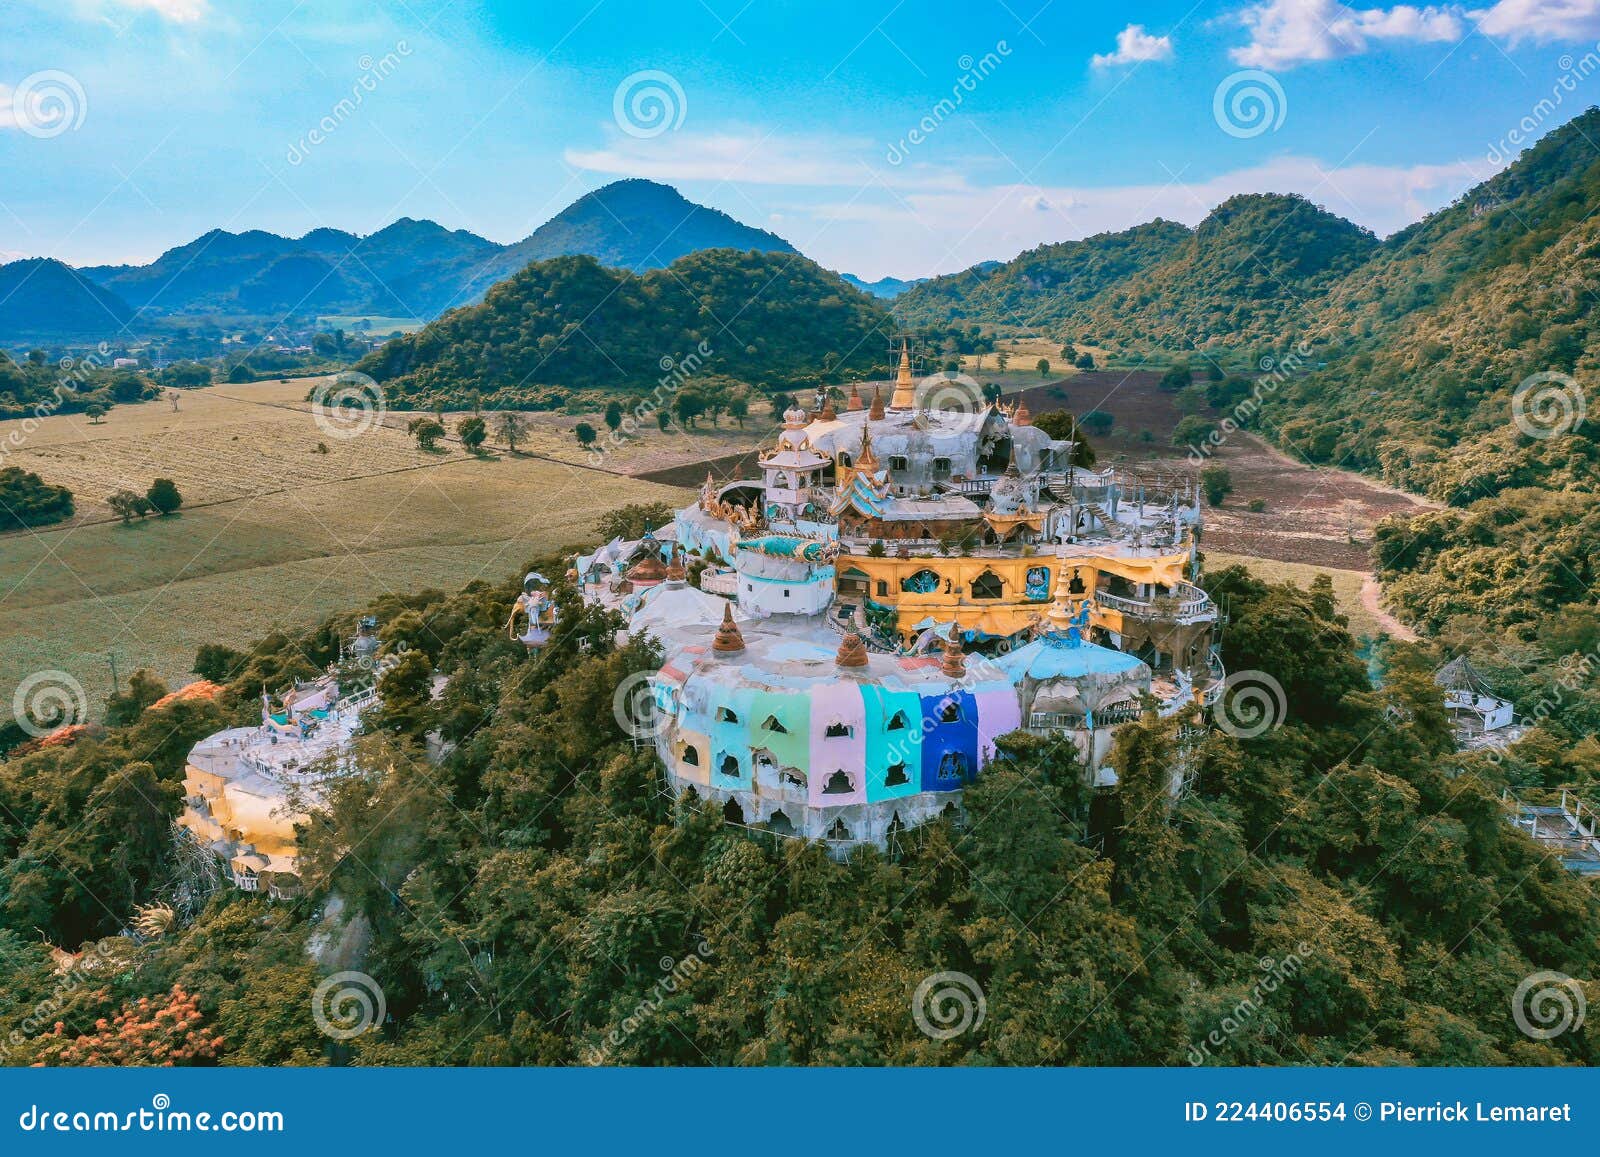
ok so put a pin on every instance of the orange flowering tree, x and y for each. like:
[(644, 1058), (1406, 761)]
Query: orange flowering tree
[(160, 1030)]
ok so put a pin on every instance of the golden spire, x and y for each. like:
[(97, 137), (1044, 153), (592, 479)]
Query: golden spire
[(905, 391), (852, 652), (876, 413), (855, 402), (728, 641)]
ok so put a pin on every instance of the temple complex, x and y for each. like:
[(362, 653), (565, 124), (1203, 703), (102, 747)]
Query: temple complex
[(901, 585)]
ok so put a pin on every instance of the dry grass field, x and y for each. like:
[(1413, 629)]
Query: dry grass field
[(272, 534)]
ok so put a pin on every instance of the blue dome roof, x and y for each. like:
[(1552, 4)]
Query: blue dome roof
[(1055, 657)]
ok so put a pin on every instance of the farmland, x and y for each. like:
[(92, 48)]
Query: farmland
[(274, 532)]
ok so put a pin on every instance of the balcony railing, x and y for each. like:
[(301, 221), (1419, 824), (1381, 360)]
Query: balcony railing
[(1187, 601)]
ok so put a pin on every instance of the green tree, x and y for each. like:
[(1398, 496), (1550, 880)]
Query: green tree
[(1217, 482), (613, 416), (472, 431), (427, 431), (163, 496), (128, 505), (1043, 366), (585, 434), (510, 426), (688, 405), (739, 409), (1085, 361)]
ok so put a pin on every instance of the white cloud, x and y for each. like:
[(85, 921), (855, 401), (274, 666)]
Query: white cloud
[(1134, 46), (177, 11), (934, 231), (1284, 33), (1540, 20)]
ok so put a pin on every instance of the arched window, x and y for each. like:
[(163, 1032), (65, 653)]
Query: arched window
[(898, 722), (691, 755), (953, 766), (732, 813), (988, 585), (923, 582), (726, 716), (837, 730), (781, 823), (838, 784), (774, 726), (896, 776), (950, 711), (730, 766), (838, 831), (1076, 585)]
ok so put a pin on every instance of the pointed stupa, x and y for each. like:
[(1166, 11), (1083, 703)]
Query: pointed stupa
[(828, 413), (876, 413), (865, 458), (854, 402), (1020, 415), (676, 573), (905, 390), (1059, 618), (852, 652), (954, 663), (728, 641)]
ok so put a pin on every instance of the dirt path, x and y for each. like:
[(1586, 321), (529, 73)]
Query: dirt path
[(1371, 600)]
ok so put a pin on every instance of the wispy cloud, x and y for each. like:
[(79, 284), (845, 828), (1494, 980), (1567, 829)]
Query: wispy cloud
[(1135, 46), (1540, 21), (1284, 33)]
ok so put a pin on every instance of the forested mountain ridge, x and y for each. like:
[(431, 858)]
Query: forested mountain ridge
[(1042, 287), (771, 319)]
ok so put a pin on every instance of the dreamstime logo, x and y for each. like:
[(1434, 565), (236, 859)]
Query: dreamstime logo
[(948, 1004), (635, 708), (49, 103), (950, 392), (1548, 405), (648, 103), (372, 74), (348, 405), (47, 700), (1548, 1004), (347, 1004), (1249, 103), (1251, 704)]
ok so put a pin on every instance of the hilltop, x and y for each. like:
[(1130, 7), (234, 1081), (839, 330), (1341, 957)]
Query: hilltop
[(772, 319)]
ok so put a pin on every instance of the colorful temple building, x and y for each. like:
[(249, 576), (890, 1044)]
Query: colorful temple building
[(900, 586)]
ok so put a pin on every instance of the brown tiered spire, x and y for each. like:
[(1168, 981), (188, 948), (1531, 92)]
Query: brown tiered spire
[(855, 402), (1020, 416), (828, 413), (675, 568), (954, 663), (852, 652), (876, 413), (728, 641), (866, 459)]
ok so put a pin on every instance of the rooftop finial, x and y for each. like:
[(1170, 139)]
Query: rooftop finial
[(954, 663), (728, 641), (905, 391), (854, 402), (852, 652), (876, 413)]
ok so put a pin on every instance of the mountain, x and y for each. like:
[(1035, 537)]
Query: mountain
[(771, 319), (633, 224), (885, 287), (418, 268), (408, 269), (41, 297), (1045, 285)]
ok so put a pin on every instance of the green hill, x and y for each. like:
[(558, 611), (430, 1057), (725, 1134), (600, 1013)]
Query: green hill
[(771, 319), (1043, 287), (42, 298)]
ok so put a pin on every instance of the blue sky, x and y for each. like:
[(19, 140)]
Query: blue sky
[(128, 126)]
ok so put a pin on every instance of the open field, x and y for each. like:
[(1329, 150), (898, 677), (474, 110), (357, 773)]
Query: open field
[(376, 324), (1347, 588), (272, 534)]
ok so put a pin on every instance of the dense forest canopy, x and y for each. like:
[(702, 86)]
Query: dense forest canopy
[(776, 320), (525, 900)]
